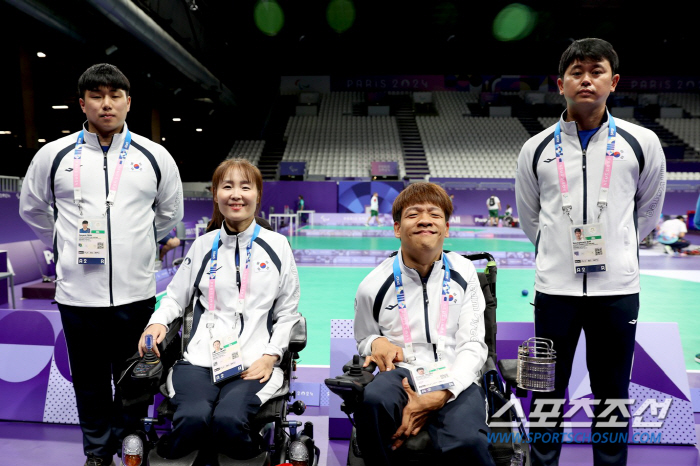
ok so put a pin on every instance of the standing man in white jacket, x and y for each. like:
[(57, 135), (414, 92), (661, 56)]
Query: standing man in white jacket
[(606, 177), (128, 189)]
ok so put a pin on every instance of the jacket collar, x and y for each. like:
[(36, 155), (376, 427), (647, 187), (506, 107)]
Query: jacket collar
[(242, 237), (571, 128), (92, 141), (413, 273)]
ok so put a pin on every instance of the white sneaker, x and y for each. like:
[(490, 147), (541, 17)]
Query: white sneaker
[(668, 249)]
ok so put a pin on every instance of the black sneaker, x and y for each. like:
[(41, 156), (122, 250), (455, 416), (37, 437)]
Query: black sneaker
[(93, 460)]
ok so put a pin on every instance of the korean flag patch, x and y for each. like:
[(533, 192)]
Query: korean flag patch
[(263, 266), (136, 166)]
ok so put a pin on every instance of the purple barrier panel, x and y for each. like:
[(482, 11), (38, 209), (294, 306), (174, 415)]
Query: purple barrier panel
[(30, 260), (196, 208), (4, 296), (31, 350), (321, 196), (354, 196), (659, 383), (470, 196)]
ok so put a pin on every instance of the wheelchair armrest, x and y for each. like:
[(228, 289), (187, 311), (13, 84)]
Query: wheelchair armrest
[(509, 370), (297, 337), (351, 384)]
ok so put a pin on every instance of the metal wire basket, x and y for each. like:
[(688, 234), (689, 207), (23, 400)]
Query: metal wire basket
[(536, 360)]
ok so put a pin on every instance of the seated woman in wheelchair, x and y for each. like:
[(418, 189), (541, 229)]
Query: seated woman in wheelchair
[(240, 278), (422, 308)]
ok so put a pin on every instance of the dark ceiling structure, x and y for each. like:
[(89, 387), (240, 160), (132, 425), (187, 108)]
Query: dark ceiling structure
[(209, 63)]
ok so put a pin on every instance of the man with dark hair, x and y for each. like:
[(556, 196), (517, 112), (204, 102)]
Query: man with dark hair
[(607, 179), (398, 308), (128, 188)]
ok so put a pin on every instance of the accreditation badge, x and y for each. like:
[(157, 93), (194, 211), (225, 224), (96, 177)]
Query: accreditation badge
[(92, 241), (431, 377), (588, 248), (226, 359)]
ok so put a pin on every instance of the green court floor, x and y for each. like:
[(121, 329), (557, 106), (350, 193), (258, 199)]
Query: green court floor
[(390, 244), (329, 292)]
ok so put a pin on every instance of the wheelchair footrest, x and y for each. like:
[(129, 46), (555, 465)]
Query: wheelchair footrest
[(261, 460), (156, 460)]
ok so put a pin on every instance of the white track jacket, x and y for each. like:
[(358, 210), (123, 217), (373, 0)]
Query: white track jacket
[(377, 315), (635, 198), (147, 206)]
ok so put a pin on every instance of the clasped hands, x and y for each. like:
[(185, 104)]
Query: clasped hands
[(415, 414)]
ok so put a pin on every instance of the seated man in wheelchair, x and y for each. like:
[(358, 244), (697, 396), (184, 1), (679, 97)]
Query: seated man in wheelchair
[(422, 308), (230, 366)]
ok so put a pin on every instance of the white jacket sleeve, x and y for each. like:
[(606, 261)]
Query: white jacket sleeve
[(365, 327), (169, 203), (35, 199), (651, 189), (470, 346), (527, 195), (179, 292), (286, 305)]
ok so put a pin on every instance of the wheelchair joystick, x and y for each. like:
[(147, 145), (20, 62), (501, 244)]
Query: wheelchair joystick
[(150, 365)]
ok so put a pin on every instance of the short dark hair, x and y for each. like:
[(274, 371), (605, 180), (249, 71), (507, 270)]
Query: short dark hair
[(84, 222), (589, 49), (102, 75), (421, 193), (680, 217), (578, 230)]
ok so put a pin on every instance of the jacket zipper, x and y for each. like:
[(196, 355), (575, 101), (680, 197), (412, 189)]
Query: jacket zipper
[(426, 301), (585, 205), (109, 231)]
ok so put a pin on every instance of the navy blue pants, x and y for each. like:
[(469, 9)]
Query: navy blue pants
[(610, 325), (99, 341), (209, 416), (458, 430)]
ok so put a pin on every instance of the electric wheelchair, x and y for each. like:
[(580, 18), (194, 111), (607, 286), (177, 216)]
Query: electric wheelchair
[(278, 439), (417, 450)]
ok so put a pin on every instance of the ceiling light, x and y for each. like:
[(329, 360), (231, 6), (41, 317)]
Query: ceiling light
[(162, 139), (199, 130), (65, 131), (177, 119), (5, 132), (59, 107), (42, 140), (41, 54)]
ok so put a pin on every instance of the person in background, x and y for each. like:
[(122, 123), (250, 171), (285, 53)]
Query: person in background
[(167, 244), (374, 210), (672, 235), (493, 203)]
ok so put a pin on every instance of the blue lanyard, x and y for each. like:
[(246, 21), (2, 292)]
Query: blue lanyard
[(212, 268), (444, 309)]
